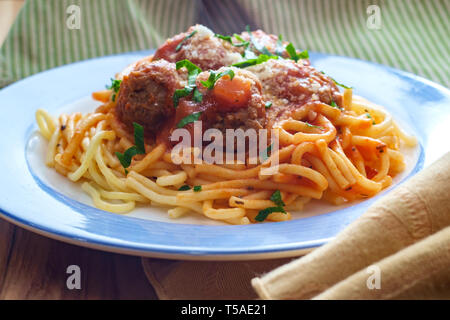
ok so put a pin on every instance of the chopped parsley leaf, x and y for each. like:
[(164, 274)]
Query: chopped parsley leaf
[(226, 38), (197, 97), (184, 40), (275, 198), (340, 84), (368, 115), (191, 68), (229, 39), (115, 86), (251, 62), (213, 77), (197, 188), (268, 104), (184, 188), (188, 119), (242, 43), (293, 53), (181, 93), (333, 104), (313, 126), (193, 72), (263, 214), (139, 147)]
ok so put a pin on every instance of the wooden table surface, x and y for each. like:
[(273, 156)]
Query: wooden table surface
[(34, 267)]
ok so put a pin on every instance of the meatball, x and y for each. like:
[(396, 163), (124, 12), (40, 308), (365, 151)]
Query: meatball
[(269, 41), (202, 48), (290, 85), (235, 103), (145, 95)]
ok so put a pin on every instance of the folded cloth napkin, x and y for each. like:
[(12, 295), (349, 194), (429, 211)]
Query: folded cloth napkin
[(413, 211), (419, 271), (402, 241)]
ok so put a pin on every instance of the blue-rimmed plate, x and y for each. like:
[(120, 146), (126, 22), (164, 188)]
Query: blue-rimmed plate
[(38, 199)]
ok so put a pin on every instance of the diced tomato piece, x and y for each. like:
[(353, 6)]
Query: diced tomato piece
[(232, 93)]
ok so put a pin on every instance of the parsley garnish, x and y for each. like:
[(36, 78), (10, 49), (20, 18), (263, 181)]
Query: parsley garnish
[(333, 104), (226, 38), (188, 119), (368, 115), (184, 40), (181, 93), (313, 126), (184, 188), (242, 43), (293, 53), (251, 62), (268, 104), (213, 77), (139, 147), (340, 84), (191, 68), (193, 72), (197, 97), (275, 198), (115, 86), (229, 39), (197, 188), (263, 214)]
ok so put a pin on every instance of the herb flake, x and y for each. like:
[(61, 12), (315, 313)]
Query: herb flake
[(139, 147), (193, 72), (340, 84), (293, 53), (254, 61), (189, 119), (213, 77), (184, 40)]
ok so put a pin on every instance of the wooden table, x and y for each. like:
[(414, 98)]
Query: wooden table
[(34, 267)]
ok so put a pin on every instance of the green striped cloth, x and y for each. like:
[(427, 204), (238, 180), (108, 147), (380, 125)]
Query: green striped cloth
[(413, 35)]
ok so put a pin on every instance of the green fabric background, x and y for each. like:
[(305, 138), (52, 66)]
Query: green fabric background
[(413, 36)]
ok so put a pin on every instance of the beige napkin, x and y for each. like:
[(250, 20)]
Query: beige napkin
[(399, 236)]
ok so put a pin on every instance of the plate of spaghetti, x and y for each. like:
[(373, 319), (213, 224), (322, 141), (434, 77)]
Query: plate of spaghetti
[(212, 146)]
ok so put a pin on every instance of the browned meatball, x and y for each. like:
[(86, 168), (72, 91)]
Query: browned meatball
[(233, 104), (145, 95), (269, 41), (290, 85), (202, 48)]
